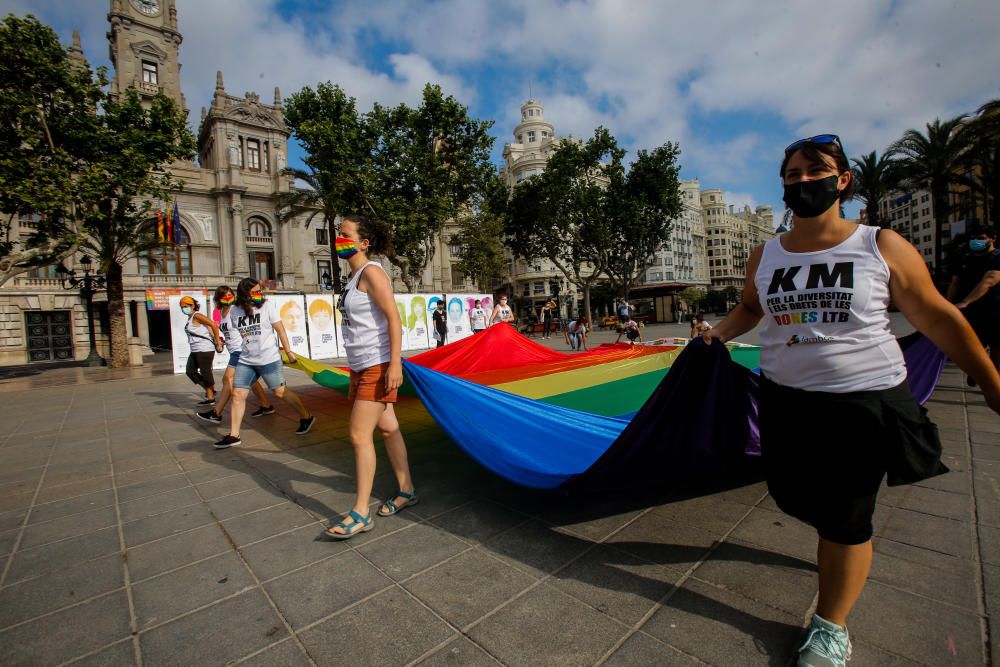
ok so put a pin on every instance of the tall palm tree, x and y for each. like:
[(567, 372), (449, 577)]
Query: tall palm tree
[(309, 203), (874, 178), (984, 158), (931, 161)]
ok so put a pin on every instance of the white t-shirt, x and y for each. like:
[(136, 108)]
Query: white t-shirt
[(576, 328), (700, 327), (232, 337), (826, 319), (260, 343), (478, 318)]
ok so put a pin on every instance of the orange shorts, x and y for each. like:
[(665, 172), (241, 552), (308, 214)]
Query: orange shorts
[(370, 385)]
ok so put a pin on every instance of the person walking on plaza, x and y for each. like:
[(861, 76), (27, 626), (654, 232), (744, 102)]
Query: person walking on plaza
[(624, 310), (224, 299), (204, 341), (835, 412), (440, 318), (698, 325), (373, 341), (502, 312), (260, 328), (977, 282), (547, 312), (477, 317)]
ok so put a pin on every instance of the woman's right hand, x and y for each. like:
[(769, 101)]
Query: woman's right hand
[(714, 332)]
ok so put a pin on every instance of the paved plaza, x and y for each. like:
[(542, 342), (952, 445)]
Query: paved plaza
[(127, 539)]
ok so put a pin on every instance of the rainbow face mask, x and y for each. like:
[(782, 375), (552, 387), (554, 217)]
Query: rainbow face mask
[(346, 248), (256, 299), (227, 300)]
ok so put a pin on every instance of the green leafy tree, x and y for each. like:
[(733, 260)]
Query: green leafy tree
[(561, 214), (874, 177), (983, 160), (48, 102), (133, 148), (931, 160), (428, 163), (480, 237), (642, 205), (338, 160)]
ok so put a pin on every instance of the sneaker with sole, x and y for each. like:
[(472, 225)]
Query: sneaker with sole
[(210, 416), (206, 401), (305, 425), (826, 645), (261, 411), (228, 441)]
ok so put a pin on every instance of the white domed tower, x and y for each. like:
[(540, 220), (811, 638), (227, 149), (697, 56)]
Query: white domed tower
[(533, 136)]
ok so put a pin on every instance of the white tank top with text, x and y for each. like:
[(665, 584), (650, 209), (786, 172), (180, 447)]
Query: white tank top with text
[(826, 318), (365, 327)]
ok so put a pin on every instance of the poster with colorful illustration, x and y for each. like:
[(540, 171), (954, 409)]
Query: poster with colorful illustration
[(416, 320), (322, 326), (459, 306), (180, 347), (291, 310), (338, 319), (401, 306)]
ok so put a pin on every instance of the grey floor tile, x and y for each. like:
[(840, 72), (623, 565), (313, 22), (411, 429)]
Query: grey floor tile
[(658, 539), (250, 624), (929, 532), (776, 580), (152, 487), (59, 589), (283, 553), (724, 628), (536, 548), (411, 550), (462, 652), (64, 554), (169, 595), (244, 502), (711, 513), (547, 627), (925, 572), (38, 534), (166, 524), (60, 508), (285, 654), (478, 521), (164, 470), (617, 583), (73, 489), (863, 653), (776, 531), (229, 485), (82, 629), (309, 594), (121, 654), (915, 627), (153, 558), (386, 643), (147, 506), (265, 523), (468, 586), (641, 649), (13, 519)]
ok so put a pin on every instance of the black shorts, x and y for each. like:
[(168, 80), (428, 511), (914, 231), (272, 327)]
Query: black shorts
[(825, 454), (987, 327)]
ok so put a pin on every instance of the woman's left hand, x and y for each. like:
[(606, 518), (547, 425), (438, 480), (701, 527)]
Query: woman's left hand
[(394, 379)]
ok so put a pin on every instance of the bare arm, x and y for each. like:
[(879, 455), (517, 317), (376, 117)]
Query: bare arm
[(914, 293), (493, 315), (747, 314), (989, 281), (952, 293), (279, 328), (377, 284)]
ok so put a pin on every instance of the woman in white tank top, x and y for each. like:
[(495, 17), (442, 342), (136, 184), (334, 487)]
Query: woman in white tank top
[(373, 340), (835, 413)]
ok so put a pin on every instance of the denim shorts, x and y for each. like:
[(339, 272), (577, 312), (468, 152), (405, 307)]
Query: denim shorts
[(246, 375), (234, 359)]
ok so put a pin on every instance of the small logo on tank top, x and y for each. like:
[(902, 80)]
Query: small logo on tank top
[(806, 340)]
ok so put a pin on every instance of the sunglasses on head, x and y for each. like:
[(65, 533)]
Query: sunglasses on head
[(818, 139)]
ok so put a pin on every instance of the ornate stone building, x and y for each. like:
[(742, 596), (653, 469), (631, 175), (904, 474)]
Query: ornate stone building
[(229, 223), (730, 236)]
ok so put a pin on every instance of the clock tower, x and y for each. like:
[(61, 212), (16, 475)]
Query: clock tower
[(144, 45)]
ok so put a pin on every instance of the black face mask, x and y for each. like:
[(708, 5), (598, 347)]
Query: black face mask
[(807, 199)]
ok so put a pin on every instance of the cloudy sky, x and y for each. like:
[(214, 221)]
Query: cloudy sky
[(732, 81)]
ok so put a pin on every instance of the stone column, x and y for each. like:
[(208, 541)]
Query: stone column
[(241, 261), (227, 248), (286, 270)]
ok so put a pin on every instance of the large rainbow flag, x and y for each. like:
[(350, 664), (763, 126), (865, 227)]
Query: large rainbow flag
[(547, 419)]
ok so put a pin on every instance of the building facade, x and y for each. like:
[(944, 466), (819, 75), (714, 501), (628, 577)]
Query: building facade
[(731, 236), (683, 259), (911, 214), (229, 211)]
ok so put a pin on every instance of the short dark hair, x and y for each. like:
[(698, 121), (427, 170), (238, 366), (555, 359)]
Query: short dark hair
[(378, 233), (981, 229), (815, 152)]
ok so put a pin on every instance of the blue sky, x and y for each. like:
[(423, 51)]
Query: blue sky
[(732, 82)]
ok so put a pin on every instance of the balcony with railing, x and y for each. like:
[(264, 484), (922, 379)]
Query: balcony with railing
[(147, 88), (260, 241)]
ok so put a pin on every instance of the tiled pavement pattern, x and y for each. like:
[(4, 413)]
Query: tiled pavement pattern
[(125, 539)]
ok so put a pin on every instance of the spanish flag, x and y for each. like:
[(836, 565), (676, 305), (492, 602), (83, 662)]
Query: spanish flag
[(159, 225), (168, 223)]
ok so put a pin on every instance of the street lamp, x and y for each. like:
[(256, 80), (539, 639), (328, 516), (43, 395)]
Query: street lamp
[(88, 285)]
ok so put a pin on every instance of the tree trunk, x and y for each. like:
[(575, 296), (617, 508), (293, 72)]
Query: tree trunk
[(116, 312), (586, 303)]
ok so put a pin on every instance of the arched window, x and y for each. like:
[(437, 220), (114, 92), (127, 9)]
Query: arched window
[(258, 228), (170, 259)]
